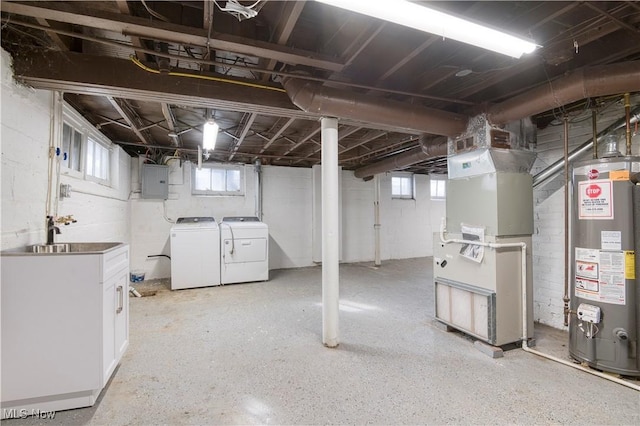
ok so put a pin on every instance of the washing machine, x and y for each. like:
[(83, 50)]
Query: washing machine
[(195, 253), (244, 249)]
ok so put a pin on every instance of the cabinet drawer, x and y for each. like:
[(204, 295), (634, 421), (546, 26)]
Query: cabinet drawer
[(114, 262)]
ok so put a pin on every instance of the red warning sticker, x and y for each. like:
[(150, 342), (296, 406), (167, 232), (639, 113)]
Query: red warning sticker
[(595, 199)]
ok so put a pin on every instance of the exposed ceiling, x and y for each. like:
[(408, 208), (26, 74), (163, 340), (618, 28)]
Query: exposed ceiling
[(148, 73)]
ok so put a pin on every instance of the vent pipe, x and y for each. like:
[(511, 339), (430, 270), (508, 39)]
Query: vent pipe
[(428, 148), (331, 102), (583, 83)]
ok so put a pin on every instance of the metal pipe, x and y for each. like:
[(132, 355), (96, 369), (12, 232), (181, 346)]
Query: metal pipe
[(376, 215), (627, 112), (330, 232), (523, 268), (565, 297), (258, 188), (525, 313), (328, 101), (426, 150), (594, 128), (587, 82), (553, 170)]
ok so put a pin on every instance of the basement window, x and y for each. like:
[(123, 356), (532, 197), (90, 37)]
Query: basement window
[(85, 153), (218, 180), (438, 188), (71, 148), (98, 163), (402, 186)]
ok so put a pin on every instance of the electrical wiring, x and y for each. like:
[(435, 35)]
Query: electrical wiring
[(164, 212), (205, 77), (153, 12), (216, 63), (233, 7)]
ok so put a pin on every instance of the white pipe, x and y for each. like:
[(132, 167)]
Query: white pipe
[(376, 214), (330, 232), (525, 334), (258, 188)]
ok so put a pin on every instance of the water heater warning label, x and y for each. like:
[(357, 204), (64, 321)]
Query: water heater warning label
[(630, 265), (595, 199), (600, 275)]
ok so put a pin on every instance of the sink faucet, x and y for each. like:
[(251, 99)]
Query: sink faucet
[(52, 230)]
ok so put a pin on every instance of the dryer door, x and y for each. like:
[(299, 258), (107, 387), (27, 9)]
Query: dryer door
[(244, 250)]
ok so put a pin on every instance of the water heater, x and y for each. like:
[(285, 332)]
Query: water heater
[(604, 328)]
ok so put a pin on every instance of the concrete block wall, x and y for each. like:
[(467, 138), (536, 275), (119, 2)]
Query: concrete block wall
[(548, 237), (407, 225), (26, 117), (287, 208)]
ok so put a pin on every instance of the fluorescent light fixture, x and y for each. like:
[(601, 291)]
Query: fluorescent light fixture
[(422, 18), (209, 135)]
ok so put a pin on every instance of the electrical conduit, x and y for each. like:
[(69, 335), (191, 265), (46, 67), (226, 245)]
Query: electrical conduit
[(525, 331)]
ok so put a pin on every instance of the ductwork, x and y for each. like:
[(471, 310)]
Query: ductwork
[(330, 102), (428, 148), (583, 83)]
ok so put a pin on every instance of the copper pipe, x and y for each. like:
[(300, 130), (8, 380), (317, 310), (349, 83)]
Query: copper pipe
[(565, 298), (594, 127), (627, 111)]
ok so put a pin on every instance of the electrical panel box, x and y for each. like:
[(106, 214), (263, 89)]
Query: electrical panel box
[(155, 181)]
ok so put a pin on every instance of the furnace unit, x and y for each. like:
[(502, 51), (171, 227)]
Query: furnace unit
[(478, 289)]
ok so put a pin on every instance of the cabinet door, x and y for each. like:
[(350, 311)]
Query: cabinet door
[(121, 321), (109, 302)]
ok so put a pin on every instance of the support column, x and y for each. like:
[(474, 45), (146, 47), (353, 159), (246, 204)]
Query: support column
[(376, 215), (330, 232)]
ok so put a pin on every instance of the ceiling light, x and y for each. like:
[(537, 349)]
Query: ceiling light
[(422, 18), (209, 135)]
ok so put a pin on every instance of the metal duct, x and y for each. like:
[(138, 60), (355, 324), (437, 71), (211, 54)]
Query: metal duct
[(581, 84), (428, 148), (330, 102)]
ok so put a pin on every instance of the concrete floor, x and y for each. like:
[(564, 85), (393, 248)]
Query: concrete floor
[(252, 354)]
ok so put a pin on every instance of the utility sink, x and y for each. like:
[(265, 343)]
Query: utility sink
[(50, 248), (71, 248)]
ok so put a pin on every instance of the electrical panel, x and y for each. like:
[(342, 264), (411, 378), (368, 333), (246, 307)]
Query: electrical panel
[(155, 181)]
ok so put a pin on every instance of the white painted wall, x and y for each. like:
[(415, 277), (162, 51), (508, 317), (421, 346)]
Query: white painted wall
[(151, 220), (548, 237), (287, 209), (118, 213), (26, 117), (407, 229)]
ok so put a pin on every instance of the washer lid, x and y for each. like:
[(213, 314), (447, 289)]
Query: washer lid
[(197, 219)]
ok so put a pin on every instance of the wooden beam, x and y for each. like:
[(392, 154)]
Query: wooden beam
[(277, 134), (131, 117), (304, 139), (62, 42), (107, 76), (284, 28), (72, 13), (243, 134)]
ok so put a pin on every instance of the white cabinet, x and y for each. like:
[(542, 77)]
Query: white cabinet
[(65, 326)]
